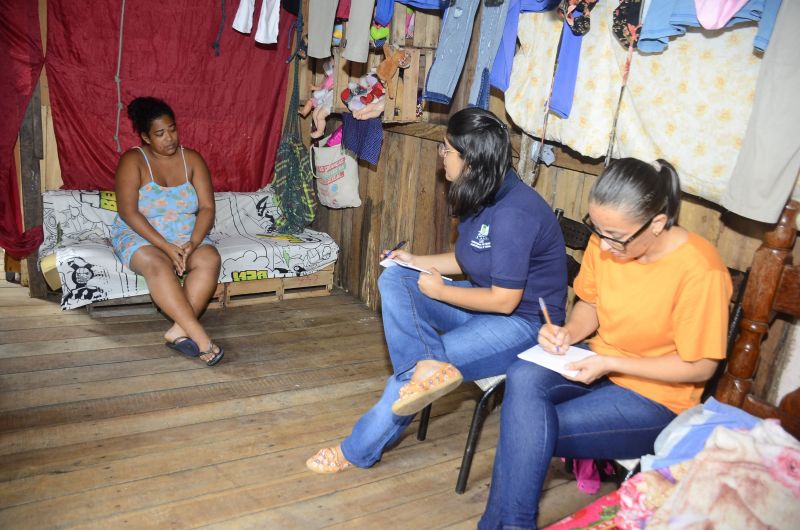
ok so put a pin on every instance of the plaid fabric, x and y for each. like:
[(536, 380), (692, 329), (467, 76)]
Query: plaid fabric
[(294, 191)]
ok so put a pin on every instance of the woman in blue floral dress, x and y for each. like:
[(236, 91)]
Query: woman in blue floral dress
[(165, 205)]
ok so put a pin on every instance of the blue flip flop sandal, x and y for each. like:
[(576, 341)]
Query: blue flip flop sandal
[(185, 346), (217, 357)]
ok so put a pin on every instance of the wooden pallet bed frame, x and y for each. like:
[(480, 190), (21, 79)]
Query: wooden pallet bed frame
[(250, 292)]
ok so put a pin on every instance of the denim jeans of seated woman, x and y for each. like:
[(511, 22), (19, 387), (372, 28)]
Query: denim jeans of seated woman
[(417, 328), (546, 415)]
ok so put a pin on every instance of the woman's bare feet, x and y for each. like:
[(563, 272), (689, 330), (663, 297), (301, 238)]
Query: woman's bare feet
[(328, 460), (208, 355), (174, 332)]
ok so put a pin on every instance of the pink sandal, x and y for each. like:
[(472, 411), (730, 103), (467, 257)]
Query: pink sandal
[(415, 396)]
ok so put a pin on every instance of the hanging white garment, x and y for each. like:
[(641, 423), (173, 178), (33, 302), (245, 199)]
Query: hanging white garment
[(268, 20)]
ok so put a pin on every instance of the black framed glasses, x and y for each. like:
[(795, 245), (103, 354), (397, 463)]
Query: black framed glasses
[(614, 243)]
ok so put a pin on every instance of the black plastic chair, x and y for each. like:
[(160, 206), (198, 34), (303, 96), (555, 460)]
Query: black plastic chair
[(576, 237)]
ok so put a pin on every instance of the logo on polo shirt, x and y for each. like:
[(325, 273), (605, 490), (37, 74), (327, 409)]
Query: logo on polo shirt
[(481, 241)]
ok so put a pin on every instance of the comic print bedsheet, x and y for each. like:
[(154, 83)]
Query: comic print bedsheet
[(77, 225)]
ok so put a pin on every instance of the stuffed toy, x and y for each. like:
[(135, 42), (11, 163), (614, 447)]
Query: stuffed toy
[(376, 91), (378, 34), (395, 59), (321, 100), (358, 94)]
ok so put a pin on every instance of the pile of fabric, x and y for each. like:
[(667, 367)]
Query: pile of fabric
[(715, 467)]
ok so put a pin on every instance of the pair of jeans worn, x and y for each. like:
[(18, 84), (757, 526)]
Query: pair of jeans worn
[(417, 328), (546, 415)]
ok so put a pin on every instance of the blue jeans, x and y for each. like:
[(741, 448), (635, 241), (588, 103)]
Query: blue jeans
[(546, 415), (418, 328)]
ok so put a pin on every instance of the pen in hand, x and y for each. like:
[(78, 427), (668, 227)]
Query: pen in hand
[(547, 319), (398, 246)]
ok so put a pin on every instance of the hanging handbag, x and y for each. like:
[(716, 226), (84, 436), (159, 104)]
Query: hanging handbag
[(294, 191)]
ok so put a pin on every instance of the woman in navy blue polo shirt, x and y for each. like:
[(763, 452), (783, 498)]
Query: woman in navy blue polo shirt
[(440, 332)]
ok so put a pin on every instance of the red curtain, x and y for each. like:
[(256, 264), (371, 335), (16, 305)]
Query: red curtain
[(20, 64), (228, 107)]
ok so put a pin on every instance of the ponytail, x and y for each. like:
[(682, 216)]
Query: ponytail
[(672, 190)]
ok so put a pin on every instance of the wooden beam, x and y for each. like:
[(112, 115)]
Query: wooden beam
[(31, 152), (565, 157)]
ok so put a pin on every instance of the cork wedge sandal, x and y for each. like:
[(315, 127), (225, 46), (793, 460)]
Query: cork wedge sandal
[(415, 396), (327, 461)]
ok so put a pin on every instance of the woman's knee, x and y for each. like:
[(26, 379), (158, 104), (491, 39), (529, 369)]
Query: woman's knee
[(393, 277), (525, 376), (206, 257), (150, 261)]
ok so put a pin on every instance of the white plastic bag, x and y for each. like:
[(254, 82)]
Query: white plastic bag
[(336, 174)]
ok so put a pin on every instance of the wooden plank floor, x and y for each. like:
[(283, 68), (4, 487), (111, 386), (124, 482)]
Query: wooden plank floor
[(101, 426)]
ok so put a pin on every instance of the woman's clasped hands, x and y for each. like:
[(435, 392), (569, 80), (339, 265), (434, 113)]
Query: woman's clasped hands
[(179, 255)]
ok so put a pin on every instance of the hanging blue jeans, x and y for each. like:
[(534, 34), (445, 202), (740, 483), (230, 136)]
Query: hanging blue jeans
[(493, 21), (416, 328), (546, 415), (454, 39)]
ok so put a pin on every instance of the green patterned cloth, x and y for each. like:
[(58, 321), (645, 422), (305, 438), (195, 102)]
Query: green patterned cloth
[(294, 176)]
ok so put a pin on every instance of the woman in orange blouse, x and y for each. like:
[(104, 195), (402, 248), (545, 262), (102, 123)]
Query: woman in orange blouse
[(653, 305)]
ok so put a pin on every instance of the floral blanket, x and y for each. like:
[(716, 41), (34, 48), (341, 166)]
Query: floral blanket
[(740, 480)]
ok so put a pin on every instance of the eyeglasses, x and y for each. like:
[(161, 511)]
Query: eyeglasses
[(617, 244), (443, 150)]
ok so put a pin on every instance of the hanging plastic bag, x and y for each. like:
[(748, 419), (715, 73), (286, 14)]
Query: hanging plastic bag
[(336, 174)]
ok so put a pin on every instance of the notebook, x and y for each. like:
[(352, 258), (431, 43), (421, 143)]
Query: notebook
[(555, 362), (392, 262)]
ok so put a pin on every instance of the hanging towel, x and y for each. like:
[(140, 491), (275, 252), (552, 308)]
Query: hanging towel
[(363, 137)]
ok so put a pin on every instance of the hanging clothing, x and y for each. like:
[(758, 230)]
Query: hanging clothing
[(569, 55), (769, 161), (342, 10), (662, 116), (714, 14), (321, 14), (384, 10), (454, 39), (493, 21), (504, 59), (670, 18), (357, 31), (268, 20), (363, 137)]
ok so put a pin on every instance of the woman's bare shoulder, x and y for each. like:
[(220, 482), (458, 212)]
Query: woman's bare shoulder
[(132, 155)]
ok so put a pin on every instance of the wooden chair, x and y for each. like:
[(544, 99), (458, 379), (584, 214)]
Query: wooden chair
[(576, 237), (773, 287)]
